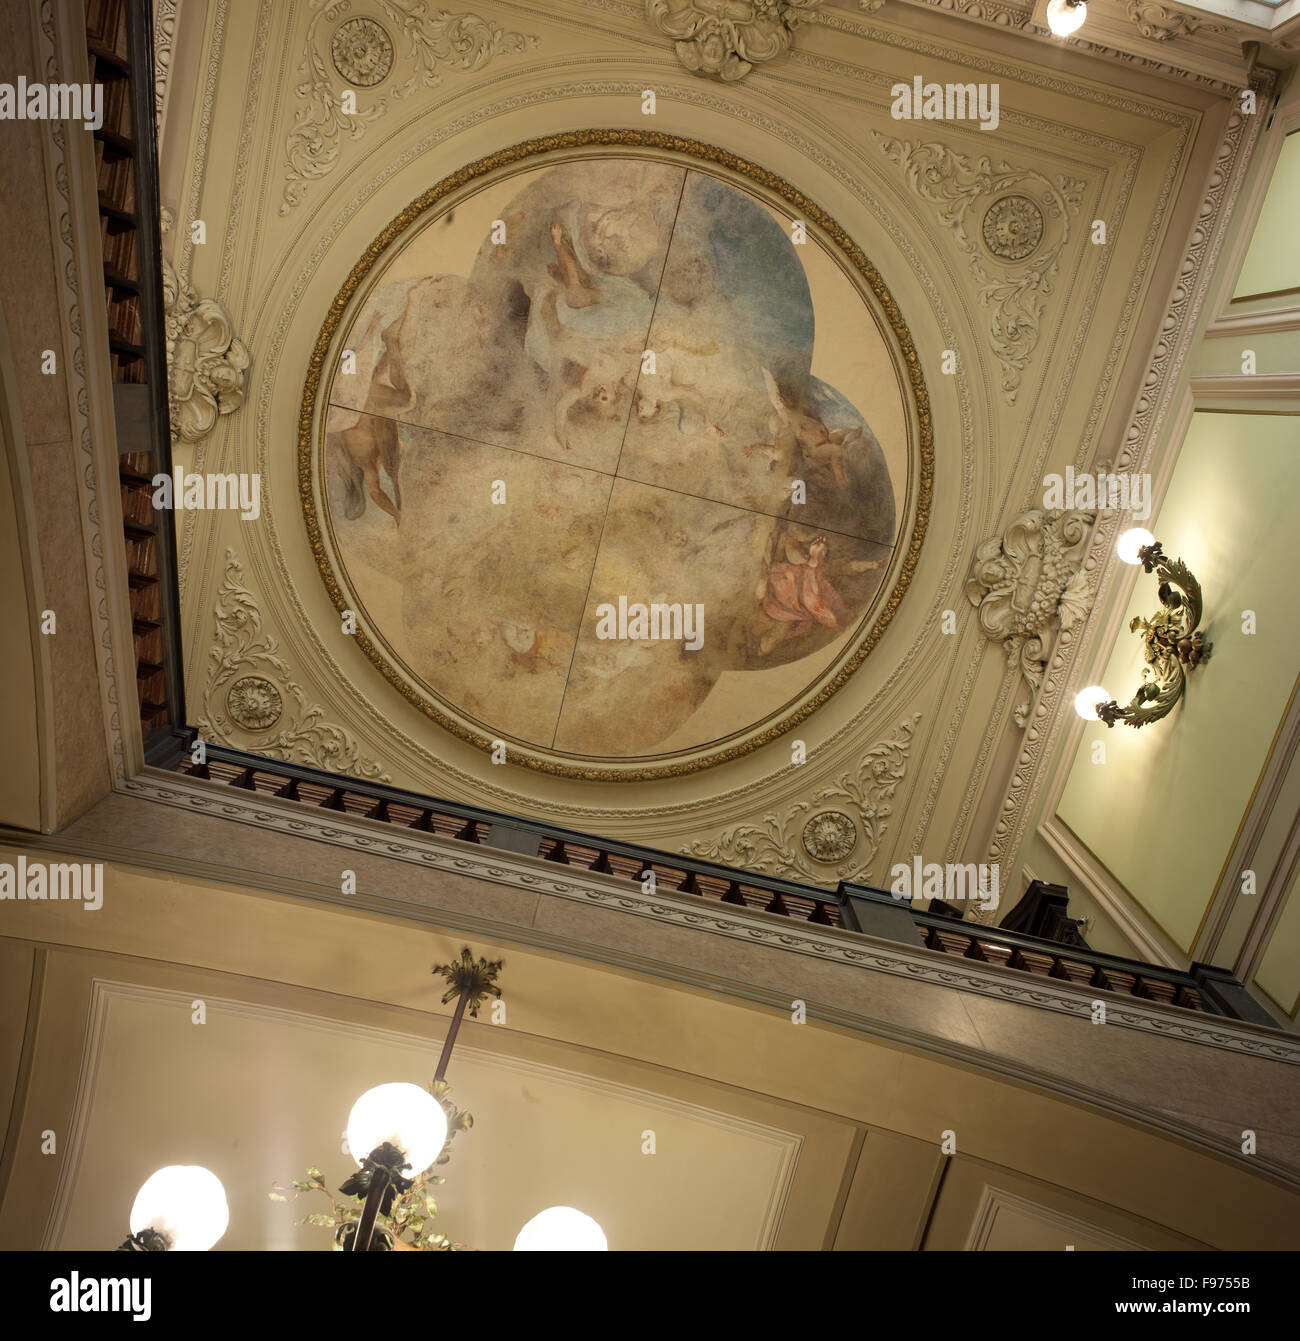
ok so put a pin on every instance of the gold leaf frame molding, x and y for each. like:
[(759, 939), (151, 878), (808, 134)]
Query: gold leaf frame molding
[(726, 166)]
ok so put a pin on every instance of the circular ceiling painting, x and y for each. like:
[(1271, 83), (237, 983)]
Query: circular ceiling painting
[(629, 464)]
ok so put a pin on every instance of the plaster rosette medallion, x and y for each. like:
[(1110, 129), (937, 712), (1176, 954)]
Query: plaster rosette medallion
[(728, 38), (206, 364), (811, 837), (379, 59), (1011, 223), (1028, 583), (362, 52), (251, 700), (829, 836), (1013, 228)]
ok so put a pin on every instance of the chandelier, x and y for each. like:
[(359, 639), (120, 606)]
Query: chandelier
[(406, 1131)]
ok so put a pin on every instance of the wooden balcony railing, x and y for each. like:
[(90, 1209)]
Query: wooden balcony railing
[(858, 908)]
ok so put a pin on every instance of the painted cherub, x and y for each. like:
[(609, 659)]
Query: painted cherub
[(796, 595), (797, 433)]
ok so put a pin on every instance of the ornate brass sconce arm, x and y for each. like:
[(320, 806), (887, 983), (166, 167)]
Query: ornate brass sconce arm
[(1171, 642)]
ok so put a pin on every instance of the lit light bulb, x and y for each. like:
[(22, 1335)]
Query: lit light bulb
[(404, 1115), (561, 1229), (1131, 541), (1086, 702), (1066, 16), (184, 1203)]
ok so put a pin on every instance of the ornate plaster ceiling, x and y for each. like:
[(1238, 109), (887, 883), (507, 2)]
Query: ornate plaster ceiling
[(1030, 337)]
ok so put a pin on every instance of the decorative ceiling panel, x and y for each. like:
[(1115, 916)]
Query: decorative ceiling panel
[(950, 269)]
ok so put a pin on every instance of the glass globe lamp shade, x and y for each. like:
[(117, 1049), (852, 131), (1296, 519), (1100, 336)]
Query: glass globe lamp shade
[(184, 1203), (1131, 541), (1087, 701), (1064, 18), (561, 1229), (404, 1115)]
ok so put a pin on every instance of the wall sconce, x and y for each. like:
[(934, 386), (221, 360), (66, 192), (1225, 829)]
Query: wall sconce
[(1066, 16), (1170, 639)]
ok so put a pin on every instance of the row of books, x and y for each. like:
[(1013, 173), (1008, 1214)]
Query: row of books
[(137, 504), (152, 686), (128, 367), (117, 100), (136, 463), (106, 25), (146, 601), (123, 315), (148, 646), (118, 244), (142, 555), (116, 177)]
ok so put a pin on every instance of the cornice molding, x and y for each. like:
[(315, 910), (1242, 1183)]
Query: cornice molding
[(616, 895), (1243, 386), (1270, 322)]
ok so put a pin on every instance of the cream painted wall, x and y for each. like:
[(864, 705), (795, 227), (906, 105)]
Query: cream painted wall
[(1148, 812), (1279, 970), (1272, 264)]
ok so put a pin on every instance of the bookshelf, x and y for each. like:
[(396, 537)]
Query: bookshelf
[(119, 44)]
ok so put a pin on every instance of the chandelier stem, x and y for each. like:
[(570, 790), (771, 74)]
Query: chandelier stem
[(450, 1041), (374, 1197)]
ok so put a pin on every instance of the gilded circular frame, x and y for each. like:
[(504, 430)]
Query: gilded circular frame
[(533, 152)]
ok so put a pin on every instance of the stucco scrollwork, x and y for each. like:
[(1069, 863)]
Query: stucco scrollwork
[(360, 51), (727, 38), (1029, 582), (957, 184), (1161, 23), (250, 692), (205, 362), (861, 799)]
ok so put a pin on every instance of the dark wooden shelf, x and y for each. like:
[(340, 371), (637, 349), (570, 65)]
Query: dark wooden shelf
[(101, 53), (139, 529), (130, 477), (136, 579), (115, 140), (121, 281), (111, 211), (125, 347)]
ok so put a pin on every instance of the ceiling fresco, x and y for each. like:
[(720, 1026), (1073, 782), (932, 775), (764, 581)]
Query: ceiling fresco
[(622, 466)]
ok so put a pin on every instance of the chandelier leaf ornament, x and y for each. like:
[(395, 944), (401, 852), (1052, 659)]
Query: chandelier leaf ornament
[(407, 1210)]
